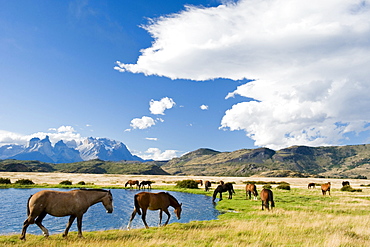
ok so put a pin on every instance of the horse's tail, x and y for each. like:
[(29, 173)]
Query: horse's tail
[(137, 206), (272, 199), (28, 205)]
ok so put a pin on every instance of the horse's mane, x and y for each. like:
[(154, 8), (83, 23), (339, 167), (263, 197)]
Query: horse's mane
[(172, 197)]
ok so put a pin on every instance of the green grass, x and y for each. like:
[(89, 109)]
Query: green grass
[(301, 218)]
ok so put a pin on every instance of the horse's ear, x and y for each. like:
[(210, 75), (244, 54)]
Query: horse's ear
[(180, 204)]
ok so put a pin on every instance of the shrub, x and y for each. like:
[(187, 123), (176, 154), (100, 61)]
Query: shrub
[(350, 189), (5, 181), (284, 186), (66, 182), (24, 182), (81, 183), (267, 186), (191, 184)]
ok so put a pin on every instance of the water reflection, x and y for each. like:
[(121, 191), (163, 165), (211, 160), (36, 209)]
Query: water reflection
[(14, 201)]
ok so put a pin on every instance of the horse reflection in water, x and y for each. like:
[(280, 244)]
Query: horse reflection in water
[(56, 203), (154, 201)]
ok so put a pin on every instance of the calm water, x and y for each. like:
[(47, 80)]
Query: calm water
[(13, 212)]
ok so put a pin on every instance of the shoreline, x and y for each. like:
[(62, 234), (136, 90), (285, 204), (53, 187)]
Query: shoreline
[(163, 180)]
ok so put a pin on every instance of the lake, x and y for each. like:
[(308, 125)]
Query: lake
[(14, 212)]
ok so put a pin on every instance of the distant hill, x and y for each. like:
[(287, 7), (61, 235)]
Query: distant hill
[(297, 161), (92, 166), (336, 161)]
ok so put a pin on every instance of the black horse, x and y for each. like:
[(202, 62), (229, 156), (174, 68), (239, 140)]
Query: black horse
[(143, 183), (223, 188)]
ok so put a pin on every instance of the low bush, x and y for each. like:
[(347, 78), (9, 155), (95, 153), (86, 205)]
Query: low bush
[(5, 181), (267, 186), (350, 189), (66, 182), (284, 186), (81, 183), (24, 182), (190, 184)]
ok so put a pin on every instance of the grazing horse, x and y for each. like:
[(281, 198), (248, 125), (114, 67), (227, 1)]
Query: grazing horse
[(249, 189), (223, 188), (311, 185), (199, 182), (154, 201), (325, 188), (56, 203), (345, 183), (207, 185), (132, 183), (143, 183), (266, 197)]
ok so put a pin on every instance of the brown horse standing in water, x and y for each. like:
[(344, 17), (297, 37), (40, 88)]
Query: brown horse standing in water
[(207, 185), (325, 188), (154, 201), (56, 203), (249, 189), (223, 188), (266, 197), (132, 183)]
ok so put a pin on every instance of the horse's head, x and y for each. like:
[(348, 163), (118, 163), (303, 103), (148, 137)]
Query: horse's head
[(108, 202), (178, 211)]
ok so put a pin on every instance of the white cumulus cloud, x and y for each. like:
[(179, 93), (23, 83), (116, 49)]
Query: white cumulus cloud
[(157, 154), (142, 123), (204, 107), (308, 63), (158, 107)]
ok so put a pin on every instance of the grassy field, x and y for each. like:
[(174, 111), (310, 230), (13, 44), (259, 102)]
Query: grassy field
[(302, 217)]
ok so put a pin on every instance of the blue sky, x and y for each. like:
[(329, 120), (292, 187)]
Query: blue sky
[(169, 77)]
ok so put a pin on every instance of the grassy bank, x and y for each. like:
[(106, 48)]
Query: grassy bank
[(301, 218)]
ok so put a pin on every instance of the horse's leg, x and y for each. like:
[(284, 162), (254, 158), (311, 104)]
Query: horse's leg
[(169, 216), (69, 224), (39, 224), (30, 220), (131, 218), (79, 226), (220, 196), (143, 217), (160, 217), (230, 194)]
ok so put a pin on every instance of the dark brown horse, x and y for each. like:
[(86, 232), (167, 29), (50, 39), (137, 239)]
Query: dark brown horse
[(325, 188), (56, 203), (311, 185), (207, 185), (266, 197), (345, 183), (249, 189), (199, 182), (132, 183), (154, 201), (223, 188), (143, 183)]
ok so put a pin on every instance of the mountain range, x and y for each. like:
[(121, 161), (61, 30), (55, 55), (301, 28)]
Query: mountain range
[(68, 152)]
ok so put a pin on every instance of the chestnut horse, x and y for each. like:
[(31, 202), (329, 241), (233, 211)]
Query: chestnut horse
[(266, 197), (249, 189), (207, 185), (223, 188), (325, 188), (132, 182), (199, 182), (311, 185), (56, 203), (143, 183), (154, 201)]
